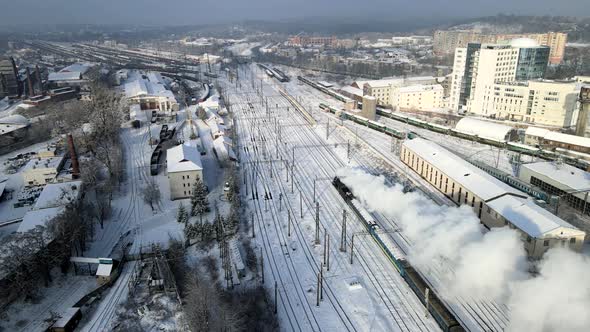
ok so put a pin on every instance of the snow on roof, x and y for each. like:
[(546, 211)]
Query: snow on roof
[(421, 88), (535, 131), (523, 42), (77, 67), (104, 270), (152, 86), (470, 177), (66, 76), (529, 217), (15, 119), (41, 217), (352, 90), (565, 174), (385, 83), (223, 147), (183, 158), (58, 194), (51, 163), (567, 139), (484, 128)]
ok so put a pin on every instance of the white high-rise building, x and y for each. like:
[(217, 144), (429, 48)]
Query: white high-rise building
[(479, 66)]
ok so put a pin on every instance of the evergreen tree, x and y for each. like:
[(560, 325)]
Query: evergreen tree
[(182, 215), (199, 201)]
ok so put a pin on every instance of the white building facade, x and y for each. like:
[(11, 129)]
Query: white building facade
[(184, 167)]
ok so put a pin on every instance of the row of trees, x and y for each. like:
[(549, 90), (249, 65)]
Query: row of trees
[(30, 256)]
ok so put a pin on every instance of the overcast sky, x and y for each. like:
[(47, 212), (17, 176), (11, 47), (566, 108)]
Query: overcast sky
[(174, 12)]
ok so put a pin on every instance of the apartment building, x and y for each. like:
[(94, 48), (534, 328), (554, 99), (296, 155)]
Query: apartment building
[(420, 97), (541, 102), (479, 66), (421, 92), (445, 42)]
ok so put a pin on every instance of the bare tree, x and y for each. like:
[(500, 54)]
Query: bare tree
[(151, 194)]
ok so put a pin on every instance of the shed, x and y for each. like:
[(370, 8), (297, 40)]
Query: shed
[(486, 129)]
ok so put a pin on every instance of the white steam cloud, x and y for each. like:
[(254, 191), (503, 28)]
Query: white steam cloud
[(483, 265)]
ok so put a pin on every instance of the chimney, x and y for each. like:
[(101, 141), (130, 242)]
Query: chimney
[(39, 81), (583, 112), (15, 72), (73, 157), (31, 91)]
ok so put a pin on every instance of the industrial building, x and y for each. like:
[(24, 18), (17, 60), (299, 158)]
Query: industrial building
[(420, 97), (12, 124), (52, 202), (445, 42), (544, 102), (369, 109), (184, 168), (479, 66), (70, 76), (9, 78), (150, 92), (559, 179), (496, 204), (41, 171), (553, 140)]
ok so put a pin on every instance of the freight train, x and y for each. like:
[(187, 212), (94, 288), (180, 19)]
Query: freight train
[(439, 311), (325, 90)]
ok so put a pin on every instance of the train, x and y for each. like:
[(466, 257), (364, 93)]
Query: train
[(165, 135), (325, 90), (570, 157), (346, 115), (437, 308)]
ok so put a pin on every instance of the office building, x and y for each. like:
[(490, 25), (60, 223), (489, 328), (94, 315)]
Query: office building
[(479, 66), (541, 102), (445, 42)]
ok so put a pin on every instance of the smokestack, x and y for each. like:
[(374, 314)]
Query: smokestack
[(30, 83), (15, 72), (583, 112), (38, 75), (73, 157)]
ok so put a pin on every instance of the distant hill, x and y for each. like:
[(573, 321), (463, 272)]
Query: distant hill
[(578, 29)]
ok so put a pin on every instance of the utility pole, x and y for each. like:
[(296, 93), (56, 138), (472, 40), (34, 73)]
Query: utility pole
[(327, 129), (301, 204), (321, 283), (351, 248), (348, 149), (262, 264), (289, 225), (325, 246), (314, 181), (328, 252), (317, 223), (343, 237), (276, 298), (317, 303), (280, 202), (253, 227)]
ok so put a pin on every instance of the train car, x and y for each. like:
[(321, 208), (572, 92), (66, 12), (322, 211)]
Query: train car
[(438, 128), (441, 314), (523, 148)]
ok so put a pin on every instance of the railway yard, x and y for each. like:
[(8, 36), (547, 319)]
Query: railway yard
[(327, 259)]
